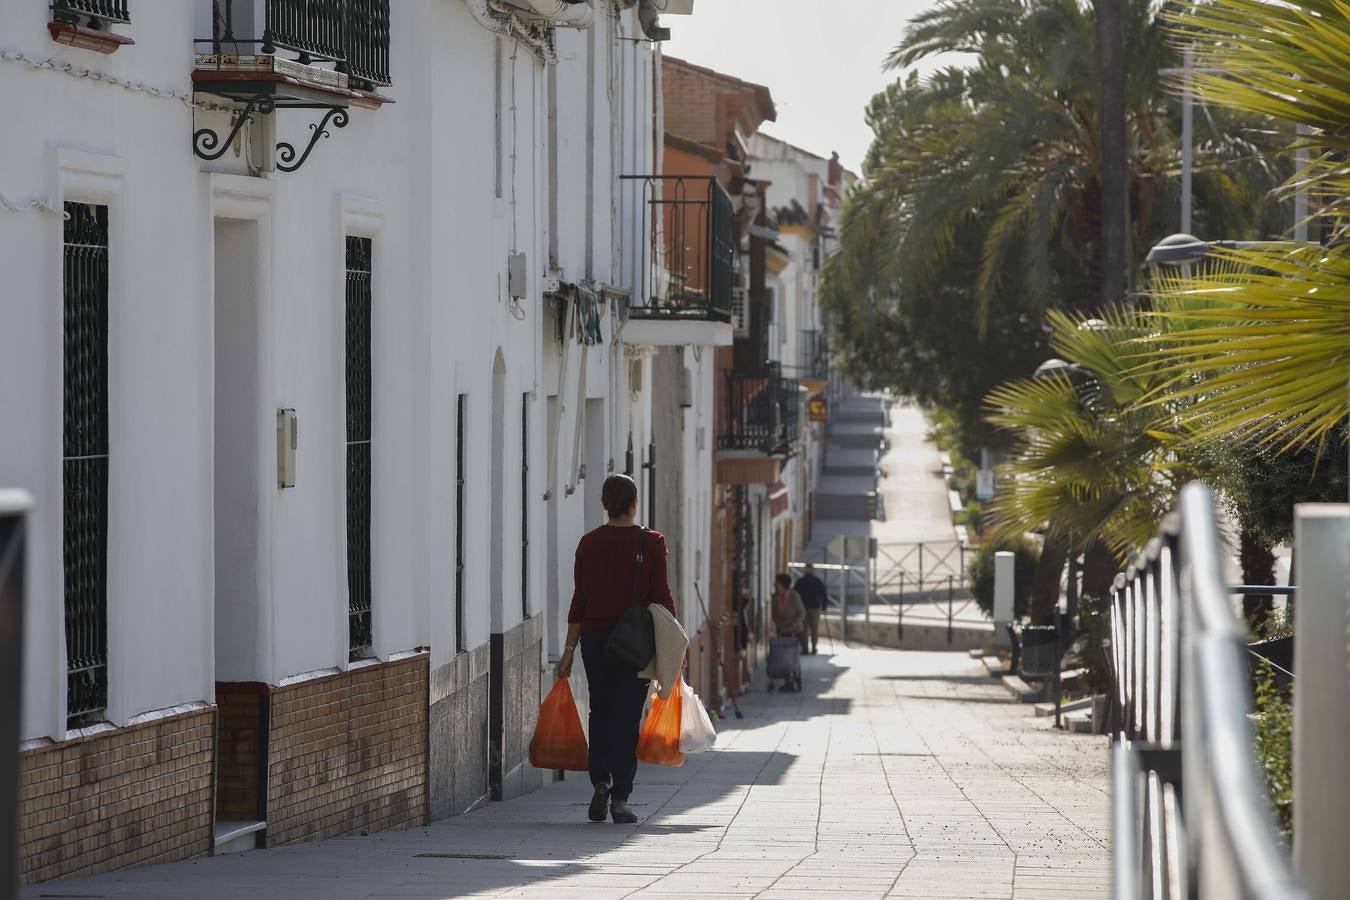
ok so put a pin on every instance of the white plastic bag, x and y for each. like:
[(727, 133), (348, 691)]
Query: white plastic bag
[(696, 729)]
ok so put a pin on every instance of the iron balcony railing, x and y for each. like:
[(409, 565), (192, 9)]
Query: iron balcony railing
[(761, 412), (353, 35), (1180, 717), (96, 12), (679, 227)]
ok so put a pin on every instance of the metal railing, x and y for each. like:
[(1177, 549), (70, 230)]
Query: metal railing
[(683, 246), (97, 12), (762, 412), (351, 34), (1180, 718)]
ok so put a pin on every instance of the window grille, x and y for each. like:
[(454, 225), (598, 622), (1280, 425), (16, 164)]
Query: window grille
[(525, 506), (85, 458), (358, 446), (97, 12), (460, 405)]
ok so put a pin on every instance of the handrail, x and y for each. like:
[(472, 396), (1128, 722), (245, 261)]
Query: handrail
[(1181, 716)]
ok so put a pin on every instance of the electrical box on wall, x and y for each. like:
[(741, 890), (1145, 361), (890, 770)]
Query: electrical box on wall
[(515, 275), (288, 439)]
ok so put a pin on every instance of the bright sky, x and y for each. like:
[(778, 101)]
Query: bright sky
[(821, 59)]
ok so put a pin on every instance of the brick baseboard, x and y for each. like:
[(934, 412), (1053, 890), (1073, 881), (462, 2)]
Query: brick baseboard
[(347, 753), (125, 797)]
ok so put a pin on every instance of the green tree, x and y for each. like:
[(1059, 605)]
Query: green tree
[(1265, 363)]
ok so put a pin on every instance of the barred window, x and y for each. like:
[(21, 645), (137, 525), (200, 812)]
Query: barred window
[(358, 445), (85, 459)]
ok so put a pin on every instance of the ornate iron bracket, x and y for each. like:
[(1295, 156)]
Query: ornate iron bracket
[(207, 143), (286, 151), (206, 140)]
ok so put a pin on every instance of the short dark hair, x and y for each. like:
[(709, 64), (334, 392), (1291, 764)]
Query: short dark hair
[(784, 579), (810, 567), (618, 495)]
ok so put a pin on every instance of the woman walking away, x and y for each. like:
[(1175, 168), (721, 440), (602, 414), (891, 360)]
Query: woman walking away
[(789, 621), (617, 564)]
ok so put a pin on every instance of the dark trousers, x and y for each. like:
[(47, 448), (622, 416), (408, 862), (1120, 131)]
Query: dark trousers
[(617, 698), (813, 626)]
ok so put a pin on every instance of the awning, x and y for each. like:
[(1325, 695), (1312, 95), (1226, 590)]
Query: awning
[(778, 499)]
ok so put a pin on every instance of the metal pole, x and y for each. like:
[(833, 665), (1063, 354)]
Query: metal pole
[(1059, 657), (950, 613), (867, 606), (900, 610), (921, 567), (843, 596), (1187, 138)]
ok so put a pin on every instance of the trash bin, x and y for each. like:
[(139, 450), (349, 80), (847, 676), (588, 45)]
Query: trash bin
[(1040, 646)]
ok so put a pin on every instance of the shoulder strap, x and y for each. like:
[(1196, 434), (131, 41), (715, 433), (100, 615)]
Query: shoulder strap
[(637, 565)]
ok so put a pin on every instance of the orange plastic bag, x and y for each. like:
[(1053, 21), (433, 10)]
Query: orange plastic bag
[(659, 742), (559, 742)]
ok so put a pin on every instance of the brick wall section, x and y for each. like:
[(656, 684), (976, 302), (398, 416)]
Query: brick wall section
[(691, 104), (133, 796), (238, 742), (348, 753)]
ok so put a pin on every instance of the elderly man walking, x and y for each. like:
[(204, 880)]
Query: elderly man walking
[(812, 591)]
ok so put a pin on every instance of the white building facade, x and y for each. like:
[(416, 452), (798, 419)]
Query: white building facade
[(313, 359)]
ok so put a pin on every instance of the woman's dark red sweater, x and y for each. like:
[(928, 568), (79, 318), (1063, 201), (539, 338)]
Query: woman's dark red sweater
[(604, 575)]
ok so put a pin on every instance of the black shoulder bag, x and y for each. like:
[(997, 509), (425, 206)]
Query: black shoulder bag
[(632, 643)]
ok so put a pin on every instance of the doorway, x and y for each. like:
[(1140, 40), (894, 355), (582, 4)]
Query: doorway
[(241, 481), (496, 539)]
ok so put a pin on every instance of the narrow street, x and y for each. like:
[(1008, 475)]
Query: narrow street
[(893, 773)]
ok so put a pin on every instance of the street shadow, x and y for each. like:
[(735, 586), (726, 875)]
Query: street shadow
[(985, 679)]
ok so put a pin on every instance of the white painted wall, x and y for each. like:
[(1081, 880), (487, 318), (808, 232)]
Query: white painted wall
[(417, 177)]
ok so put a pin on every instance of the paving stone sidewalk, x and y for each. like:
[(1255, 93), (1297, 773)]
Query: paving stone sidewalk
[(893, 774)]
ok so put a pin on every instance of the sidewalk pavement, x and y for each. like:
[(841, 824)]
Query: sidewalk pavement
[(893, 773)]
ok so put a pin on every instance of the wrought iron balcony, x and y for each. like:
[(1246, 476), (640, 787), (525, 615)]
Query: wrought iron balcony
[(353, 35), (95, 13), (761, 412), (681, 231)]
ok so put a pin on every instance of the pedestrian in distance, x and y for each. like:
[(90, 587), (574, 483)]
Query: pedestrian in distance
[(789, 621), (812, 591), (617, 564)]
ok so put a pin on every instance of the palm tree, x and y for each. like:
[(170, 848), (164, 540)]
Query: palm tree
[(1266, 363), (1092, 465), (1015, 138)]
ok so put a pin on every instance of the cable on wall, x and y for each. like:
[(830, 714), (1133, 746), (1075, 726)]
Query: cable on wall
[(38, 203), (135, 87)]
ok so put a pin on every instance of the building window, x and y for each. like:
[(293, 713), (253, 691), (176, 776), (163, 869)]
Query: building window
[(85, 459), (460, 405), (525, 506), (358, 446)]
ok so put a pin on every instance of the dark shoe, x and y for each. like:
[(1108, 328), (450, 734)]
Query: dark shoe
[(621, 813), (598, 803)]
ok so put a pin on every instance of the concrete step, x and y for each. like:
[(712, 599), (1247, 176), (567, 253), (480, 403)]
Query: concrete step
[(857, 440), (1048, 708), (235, 837), (845, 471), (1024, 692), (995, 666), (856, 507)]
